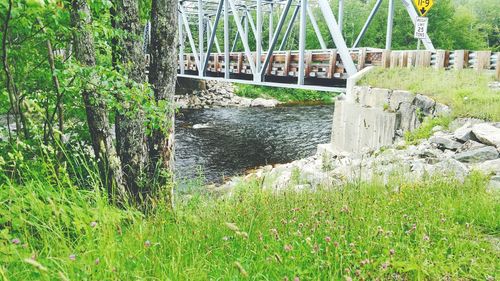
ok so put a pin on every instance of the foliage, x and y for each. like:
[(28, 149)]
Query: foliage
[(429, 230), (286, 95), (466, 91), (425, 129)]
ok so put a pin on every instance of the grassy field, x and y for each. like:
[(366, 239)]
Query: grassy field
[(466, 91), (433, 230), (285, 95)]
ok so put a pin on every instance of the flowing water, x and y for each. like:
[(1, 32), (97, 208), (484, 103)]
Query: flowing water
[(221, 142)]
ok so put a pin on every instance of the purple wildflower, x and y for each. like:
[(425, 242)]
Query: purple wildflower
[(15, 241)]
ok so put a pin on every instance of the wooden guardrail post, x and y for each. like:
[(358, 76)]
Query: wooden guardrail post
[(332, 64), (361, 58), (403, 58), (286, 67), (497, 67), (386, 58), (423, 59), (308, 64), (442, 57), (461, 59), (394, 61), (482, 60), (411, 59)]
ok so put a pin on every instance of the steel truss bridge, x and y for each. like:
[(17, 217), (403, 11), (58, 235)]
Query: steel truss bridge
[(271, 64)]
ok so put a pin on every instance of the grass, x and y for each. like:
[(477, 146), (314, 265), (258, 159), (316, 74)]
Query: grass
[(437, 229), (425, 129), (466, 91), (285, 95)]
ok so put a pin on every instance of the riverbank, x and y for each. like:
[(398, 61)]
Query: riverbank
[(224, 94), (433, 229)]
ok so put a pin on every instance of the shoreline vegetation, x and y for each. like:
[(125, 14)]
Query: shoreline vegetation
[(433, 229), (289, 97)]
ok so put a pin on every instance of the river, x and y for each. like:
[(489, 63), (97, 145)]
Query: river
[(215, 143)]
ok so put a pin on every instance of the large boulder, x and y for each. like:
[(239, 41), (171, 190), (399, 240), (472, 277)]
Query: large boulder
[(260, 102), (425, 104), (477, 155), (445, 142), (464, 133), (451, 167), (399, 97), (490, 166), (487, 134)]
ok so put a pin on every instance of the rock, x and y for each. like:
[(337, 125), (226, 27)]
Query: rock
[(494, 183), (437, 129), (425, 104), (451, 167), (490, 166), (441, 110), (464, 133), (487, 134), (260, 102), (408, 119), (444, 142), (477, 155), (470, 144), (399, 97)]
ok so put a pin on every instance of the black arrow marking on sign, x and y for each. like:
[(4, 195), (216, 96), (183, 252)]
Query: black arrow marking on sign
[(422, 11)]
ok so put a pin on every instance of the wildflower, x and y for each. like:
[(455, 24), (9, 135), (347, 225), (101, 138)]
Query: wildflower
[(392, 252), (315, 248), (15, 241), (336, 244), (357, 272), (147, 244), (232, 226), (296, 278), (426, 238), (225, 238), (345, 209), (261, 237), (97, 261), (301, 225), (274, 232), (352, 245), (348, 278), (72, 257), (385, 265), (443, 220), (328, 239), (93, 224), (243, 272), (288, 248)]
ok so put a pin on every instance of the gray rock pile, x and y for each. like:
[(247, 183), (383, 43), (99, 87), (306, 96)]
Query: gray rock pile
[(471, 146), (220, 94)]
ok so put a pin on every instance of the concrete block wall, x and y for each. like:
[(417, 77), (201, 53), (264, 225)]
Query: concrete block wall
[(373, 117)]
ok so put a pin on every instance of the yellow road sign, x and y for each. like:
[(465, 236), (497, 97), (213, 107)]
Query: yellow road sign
[(423, 6)]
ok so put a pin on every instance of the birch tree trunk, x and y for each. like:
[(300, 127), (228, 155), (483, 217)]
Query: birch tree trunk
[(163, 76), (130, 128), (95, 105)]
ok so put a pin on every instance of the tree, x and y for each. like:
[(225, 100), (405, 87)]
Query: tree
[(162, 76), (130, 122), (95, 105)]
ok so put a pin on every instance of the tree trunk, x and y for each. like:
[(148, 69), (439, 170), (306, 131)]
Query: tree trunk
[(95, 105), (163, 76), (130, 130)]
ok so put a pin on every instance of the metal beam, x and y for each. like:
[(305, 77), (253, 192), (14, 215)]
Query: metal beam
[(338, 39), (212, 29), (243, 39), (212, 36), (254, 29), (275, 37), (236, 36), (316, 28), (200, 36), (181, 42), (367, 23), (271, 25), (413, 15), (390, 20), (341, 15), (226, 39), (190, 37), (289, 27), (258, 42), (302, 41)]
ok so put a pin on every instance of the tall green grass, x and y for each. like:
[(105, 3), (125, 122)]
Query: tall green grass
[(430, 230), (285, 95), (466, 91)]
